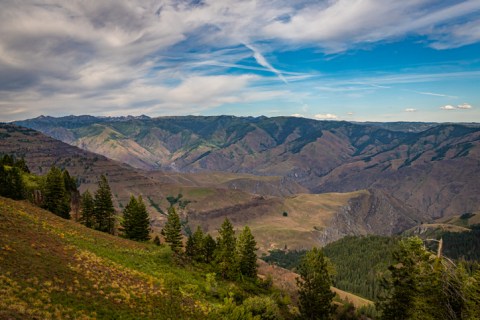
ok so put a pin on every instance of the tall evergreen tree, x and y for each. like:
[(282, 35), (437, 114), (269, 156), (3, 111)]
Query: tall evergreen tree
[(209, 247), (72, 193), (15, 184), (423, 285), (172, 231), (104, 210), (7, 160), (87, 205), (136, 221), (22, 165), (55, 197), (315, 296), (11, 181), (225, 254), (195, 245), (4, 181), (247, 258)]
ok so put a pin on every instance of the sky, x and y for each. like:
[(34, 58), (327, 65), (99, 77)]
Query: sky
[(354, 60)]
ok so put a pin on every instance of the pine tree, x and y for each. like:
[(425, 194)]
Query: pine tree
[(423, 285), (190, 247), (88, 210), (225, 254), (315, 296), (4, 184), (195, 245), (22, 165), (104, 210), (172, 231), (247, 258), (11, 181), (55, 197), (209, 247), (136, 222), (16, 185), (72, 192)]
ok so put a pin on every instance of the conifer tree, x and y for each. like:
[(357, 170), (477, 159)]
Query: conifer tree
[(11, 182), (55, 197), (247, 258), (87, 210), (15, 184), (136, 222), (195, 245), (424, 285), (172, 231), (104, 210), (7, 160), (315, 296), (209, 247), (22, 165), (225, 254), (190, 247), (72, 193), (4, 184)]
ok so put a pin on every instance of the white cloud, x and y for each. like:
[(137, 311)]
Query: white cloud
[(410, 110), (448, 107), (339, 25), (457, 35), (464, 106), (326, 116), (297, 115), (350, 113), (171, 56)]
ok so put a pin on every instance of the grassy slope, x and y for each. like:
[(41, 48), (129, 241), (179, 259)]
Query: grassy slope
[(307, 216), (53, 268)]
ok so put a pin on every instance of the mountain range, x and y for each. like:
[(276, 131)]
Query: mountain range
[(429, 167)]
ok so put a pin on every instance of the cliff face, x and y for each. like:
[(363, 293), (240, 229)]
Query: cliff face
[(371, 212)]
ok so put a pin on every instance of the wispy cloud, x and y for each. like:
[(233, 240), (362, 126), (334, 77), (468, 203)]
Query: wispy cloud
[(410, 110), (263, 62), (434, 94)]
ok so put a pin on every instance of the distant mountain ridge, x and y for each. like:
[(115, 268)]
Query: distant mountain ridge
[(431, 167)]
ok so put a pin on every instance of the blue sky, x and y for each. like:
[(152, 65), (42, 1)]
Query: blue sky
[(356, 60)]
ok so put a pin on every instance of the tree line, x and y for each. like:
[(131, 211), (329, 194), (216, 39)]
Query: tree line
[(230, 256), (56, 191)]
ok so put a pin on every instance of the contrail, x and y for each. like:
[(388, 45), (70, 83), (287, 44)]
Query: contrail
[(264, 63)]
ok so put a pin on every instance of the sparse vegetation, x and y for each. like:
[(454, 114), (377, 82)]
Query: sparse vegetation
[(84, 274)]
